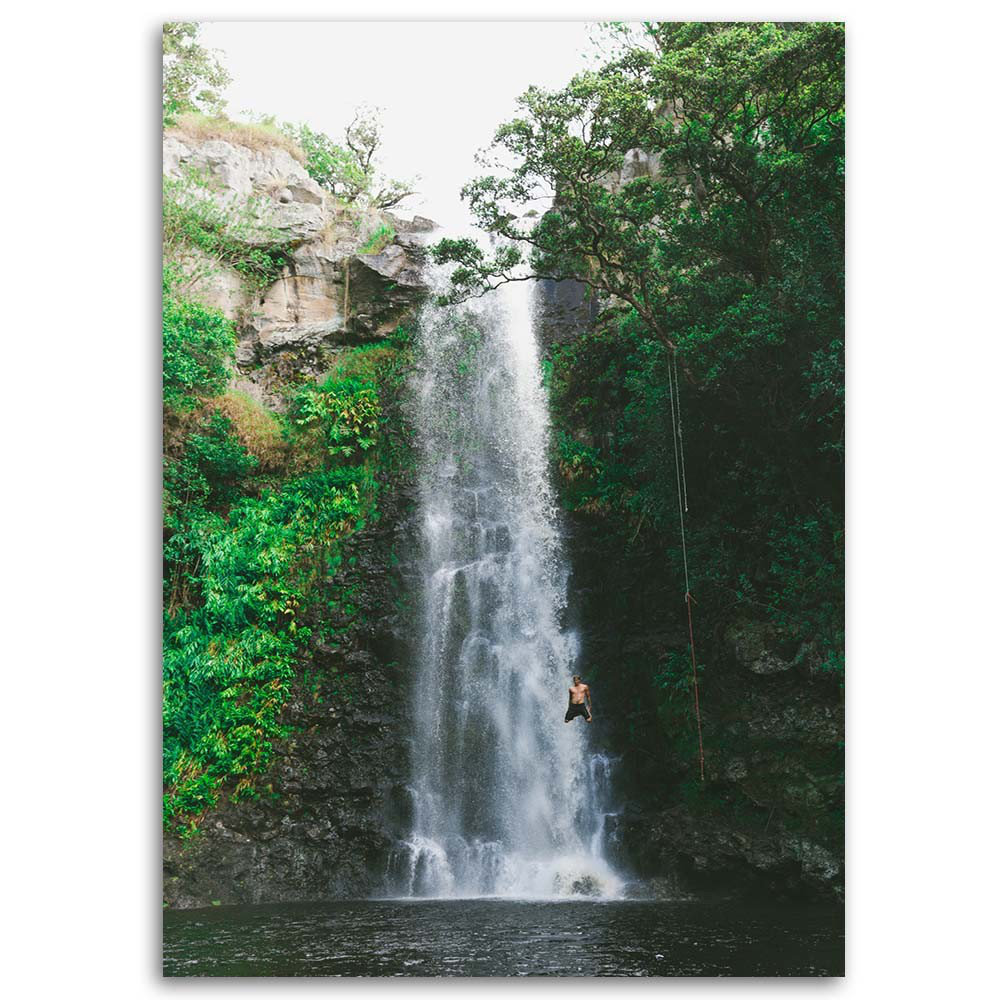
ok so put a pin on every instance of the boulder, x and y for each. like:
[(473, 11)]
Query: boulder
[(285, 202), (213, 283), (758, 647)]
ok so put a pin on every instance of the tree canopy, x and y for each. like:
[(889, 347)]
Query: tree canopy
[(727, 125), (193, 76), (351, 170)]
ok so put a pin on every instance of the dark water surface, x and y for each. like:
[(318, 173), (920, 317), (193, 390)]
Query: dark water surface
[(490, 937)]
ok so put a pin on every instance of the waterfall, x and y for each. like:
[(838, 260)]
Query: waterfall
[(504, 792)]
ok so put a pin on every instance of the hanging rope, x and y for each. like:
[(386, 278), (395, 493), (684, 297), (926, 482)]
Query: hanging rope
[(673, 383), (677, 469), (680, 434)]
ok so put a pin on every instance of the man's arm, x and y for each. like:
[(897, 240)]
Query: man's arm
[(586, 694)]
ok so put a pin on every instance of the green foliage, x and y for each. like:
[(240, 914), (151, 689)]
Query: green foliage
[(197, 345), (237, 235), (350, 170), (245, 557), (347, 411), (211, 469), (738, 121), (192, 75), (332, 166), (673, 684), (806, 580), (381, 237), (230, 649)]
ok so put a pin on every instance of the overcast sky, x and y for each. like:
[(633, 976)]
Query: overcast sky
[(443, 86)]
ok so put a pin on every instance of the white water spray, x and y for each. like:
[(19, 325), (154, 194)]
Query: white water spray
[(508, 800)]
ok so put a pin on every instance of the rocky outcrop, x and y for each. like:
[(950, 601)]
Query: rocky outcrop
[(709, 853), (329, 292), (773, 815), (290, 207)]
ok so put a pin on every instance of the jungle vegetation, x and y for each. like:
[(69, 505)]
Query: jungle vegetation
[(256, 508)]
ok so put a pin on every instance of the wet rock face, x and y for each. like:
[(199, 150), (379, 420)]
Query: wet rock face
[(769, 817), (565, 310), (700, 853)]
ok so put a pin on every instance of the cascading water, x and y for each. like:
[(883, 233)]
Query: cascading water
[(505, 797)]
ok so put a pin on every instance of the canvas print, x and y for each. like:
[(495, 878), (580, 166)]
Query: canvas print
[(503, 499)]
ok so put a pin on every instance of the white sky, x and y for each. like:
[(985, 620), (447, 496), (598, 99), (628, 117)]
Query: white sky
[(443, 86)]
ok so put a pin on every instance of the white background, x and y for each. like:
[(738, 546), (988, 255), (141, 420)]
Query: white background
[(80, 581)]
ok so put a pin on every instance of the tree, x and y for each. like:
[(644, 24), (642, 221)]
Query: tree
[(364, 137), (730, 118), (193, 76), (350, 171), (331, 165)]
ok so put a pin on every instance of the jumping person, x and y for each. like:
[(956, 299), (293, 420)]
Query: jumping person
[(579, 701)]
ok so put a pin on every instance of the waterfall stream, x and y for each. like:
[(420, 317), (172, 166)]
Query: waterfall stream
[(508, 799)]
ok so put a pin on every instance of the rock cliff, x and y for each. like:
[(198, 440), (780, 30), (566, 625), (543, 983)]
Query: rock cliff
[(331, 802), (334, 287)]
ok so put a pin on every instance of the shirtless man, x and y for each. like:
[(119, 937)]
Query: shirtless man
[(579, 701)]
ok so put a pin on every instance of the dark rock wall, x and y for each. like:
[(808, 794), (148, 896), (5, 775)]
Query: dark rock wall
[(564, 308), (769, 816)]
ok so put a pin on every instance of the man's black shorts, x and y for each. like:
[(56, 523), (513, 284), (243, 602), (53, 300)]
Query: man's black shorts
[(574, 710)]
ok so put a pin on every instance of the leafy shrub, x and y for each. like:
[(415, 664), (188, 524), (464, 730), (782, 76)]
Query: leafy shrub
[(348, 411), (229, 659), (212, 467), (238, 235), (332, 166), (197, 345), (246, 556), (349, 171)]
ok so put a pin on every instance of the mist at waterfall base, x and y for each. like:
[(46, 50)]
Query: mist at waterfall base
[(508, 800)]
